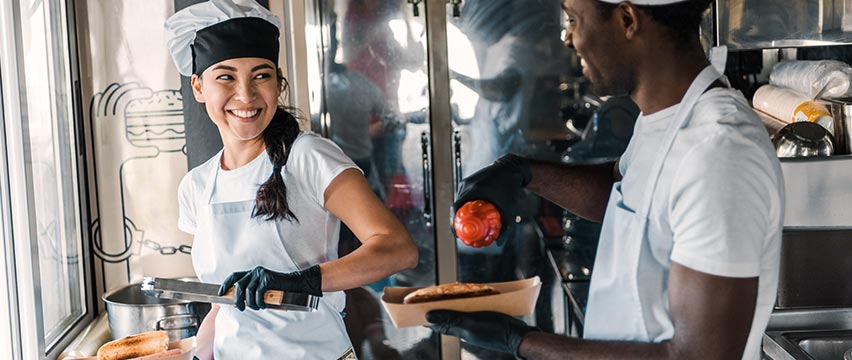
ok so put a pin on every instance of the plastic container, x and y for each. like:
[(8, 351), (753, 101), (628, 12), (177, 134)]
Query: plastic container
[(790, 106), (477, 223)]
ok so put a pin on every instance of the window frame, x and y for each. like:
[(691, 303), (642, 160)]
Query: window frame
[(21, 301)]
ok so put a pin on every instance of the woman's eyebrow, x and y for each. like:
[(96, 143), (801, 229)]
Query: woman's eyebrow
[(261, 67), (225, 67)]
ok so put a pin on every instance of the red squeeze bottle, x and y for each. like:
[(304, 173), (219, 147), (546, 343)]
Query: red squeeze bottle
[(477, 223)]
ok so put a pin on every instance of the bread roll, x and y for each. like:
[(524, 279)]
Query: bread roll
[(448, 291), (129, 347), (161, 355)]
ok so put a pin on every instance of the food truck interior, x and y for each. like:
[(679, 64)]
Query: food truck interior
[(98, 129)]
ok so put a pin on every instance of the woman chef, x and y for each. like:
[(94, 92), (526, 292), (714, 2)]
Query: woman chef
[(265, 209)]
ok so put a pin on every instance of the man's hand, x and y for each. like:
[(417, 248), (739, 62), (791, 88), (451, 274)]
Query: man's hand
[(501, 184), (487, 329), (249, 286)]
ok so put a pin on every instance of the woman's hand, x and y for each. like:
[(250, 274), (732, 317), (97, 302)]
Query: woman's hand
[(250, 286)]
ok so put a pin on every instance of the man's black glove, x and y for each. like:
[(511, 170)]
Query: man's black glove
[(487, 329), (501, 184), (249, 286)]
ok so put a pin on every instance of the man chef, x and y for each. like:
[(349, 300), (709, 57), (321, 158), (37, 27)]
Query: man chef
[(687, 264)]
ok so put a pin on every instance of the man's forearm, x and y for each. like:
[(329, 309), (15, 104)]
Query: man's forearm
[(580, 189), (545, 346)]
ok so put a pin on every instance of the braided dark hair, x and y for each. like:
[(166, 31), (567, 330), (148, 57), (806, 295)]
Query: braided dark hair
[(279, 135)]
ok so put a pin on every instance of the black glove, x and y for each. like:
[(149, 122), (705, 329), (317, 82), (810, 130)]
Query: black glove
[(251, 285), (487, 329), (501, 184)]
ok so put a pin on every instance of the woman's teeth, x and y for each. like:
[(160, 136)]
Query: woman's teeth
[(244, 113)]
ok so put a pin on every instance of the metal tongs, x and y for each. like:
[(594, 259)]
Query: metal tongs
[(208, 293)]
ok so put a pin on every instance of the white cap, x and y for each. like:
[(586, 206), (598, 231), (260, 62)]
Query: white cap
[(183, 25), (644, 2)]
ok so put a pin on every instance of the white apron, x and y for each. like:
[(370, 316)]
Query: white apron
[(228, 239), (615, 311)]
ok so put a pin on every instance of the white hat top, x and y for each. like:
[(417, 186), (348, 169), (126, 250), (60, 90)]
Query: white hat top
[(183, 25)]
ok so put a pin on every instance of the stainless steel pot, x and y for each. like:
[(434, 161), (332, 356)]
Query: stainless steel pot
[(131, 312), (800, 139)]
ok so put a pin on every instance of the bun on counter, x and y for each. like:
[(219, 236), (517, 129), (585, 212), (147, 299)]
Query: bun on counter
[(454, 290), (134, 346)]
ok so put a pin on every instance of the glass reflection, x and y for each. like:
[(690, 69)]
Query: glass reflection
[(516, 88), (373, 101)]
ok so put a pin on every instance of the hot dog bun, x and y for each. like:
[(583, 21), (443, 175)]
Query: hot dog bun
[(162, 355), (448, 291), (133, 346)]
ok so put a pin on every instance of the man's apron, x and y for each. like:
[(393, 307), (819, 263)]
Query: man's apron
[(615, 311)]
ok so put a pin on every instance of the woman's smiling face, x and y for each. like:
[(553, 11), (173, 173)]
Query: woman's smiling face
[(240, 95)]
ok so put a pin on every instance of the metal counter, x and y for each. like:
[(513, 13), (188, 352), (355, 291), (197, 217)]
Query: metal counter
[(808, 334), (574, 276)]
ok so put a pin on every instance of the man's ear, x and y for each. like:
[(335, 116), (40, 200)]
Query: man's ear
[(195, 83), (628, 17)]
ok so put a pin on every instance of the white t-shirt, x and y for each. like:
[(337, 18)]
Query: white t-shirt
[(718, 205), (312, 164)]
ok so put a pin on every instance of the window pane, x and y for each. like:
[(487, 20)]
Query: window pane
[(51, 148)]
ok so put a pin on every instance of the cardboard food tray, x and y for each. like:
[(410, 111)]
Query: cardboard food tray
[(187, 345), (516, 298)]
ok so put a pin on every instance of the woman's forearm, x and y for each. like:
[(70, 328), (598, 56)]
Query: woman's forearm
[(376, 259), (386, 247)]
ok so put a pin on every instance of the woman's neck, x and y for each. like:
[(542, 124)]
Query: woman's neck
[(239, 153)]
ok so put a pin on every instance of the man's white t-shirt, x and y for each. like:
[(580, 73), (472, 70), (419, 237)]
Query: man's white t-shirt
[(718, 205)]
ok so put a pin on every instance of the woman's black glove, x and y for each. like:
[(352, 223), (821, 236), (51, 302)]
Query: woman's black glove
[(249, 286), (487, 329), (501, 184)]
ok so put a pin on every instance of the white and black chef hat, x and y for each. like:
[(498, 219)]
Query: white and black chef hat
[(204, 34)]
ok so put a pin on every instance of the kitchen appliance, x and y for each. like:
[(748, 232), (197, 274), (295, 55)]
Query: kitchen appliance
[(198, 291), (130, 312)]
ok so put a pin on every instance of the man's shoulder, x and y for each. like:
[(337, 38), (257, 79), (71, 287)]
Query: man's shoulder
[(724, 107), (724, 129), (724, 115)]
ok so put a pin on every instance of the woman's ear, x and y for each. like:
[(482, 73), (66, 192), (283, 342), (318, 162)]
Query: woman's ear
[(195, 83)]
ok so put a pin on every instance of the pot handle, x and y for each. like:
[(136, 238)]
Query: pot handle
[(177, 322)]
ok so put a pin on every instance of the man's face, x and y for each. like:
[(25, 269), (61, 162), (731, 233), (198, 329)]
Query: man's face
[(599, 42)]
